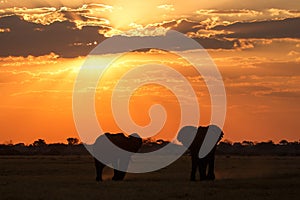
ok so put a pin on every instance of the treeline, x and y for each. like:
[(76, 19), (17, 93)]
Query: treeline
[(73, 147), (40, 147), (283, 148)]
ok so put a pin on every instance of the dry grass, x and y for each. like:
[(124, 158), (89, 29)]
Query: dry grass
[(72, 177)]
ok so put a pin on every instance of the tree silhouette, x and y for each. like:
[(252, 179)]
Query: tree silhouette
[(39, 143), (72, 141), (283, 142), (228, 142), (247, 143)]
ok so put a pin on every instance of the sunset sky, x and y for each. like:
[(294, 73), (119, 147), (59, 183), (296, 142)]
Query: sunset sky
[(255, 45)]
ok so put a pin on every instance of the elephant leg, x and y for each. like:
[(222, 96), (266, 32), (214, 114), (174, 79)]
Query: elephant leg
[(211, 164), (122, 175), (202, 168), (211, 168), (124, 162), (115, 165), (99, 168), (194, 168), (116, 176), (123, 165)]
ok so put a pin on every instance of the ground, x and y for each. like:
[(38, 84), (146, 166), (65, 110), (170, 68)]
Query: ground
[(73, 177)]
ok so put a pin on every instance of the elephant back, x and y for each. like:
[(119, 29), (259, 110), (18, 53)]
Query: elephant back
[(132, 143)]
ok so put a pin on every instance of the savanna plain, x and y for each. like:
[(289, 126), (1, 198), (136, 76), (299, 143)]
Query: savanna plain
[(73, 177)]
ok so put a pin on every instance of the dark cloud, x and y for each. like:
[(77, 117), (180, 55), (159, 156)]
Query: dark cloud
[(169, 24), (63, 38), (294, 11), (78, 14), (186, 26), (287, 28), (67, 40), (183, 26), (214, 43)]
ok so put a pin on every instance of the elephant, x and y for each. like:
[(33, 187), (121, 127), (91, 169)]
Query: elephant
[(130, 145), (207, 163)]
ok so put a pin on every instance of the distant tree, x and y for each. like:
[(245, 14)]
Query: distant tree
[(237, 144), (20, 145), (247, 143), (283, 142), (148, 140), (72, 141), (39, 143), (266, 145), (270, 142), (9, 143), (227, 142), (160, 141)]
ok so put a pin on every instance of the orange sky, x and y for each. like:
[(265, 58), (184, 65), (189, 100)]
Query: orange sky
[(259, 63)]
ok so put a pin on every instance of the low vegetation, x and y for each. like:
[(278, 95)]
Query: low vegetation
[(73, 147)]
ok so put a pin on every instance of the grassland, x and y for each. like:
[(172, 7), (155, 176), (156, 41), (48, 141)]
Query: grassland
[(72, 177)]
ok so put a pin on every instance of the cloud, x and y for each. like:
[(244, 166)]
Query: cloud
[(29, 60), (283, 94), (263, 86), (75, 31), (264, 29), (33, 72), (204, 37), (214, 43), (42, 92), (236, 35), (44, 3), (293, 53), (232, 12), (85, 15), (66, 40), (45, 15), (167, 7), (279, 68), (186, 26), (214, 22), (4, 30), (62, 38)]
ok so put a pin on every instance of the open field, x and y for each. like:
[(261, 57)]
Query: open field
[(72, 177)]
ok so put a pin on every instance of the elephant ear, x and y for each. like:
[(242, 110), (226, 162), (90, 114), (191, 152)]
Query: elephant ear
[(187, 135)]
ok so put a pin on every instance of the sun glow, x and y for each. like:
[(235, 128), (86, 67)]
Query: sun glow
[(44, 43), (148, 95)]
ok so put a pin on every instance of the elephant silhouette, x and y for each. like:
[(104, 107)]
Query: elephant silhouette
[(130, 145), (195, 137)]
